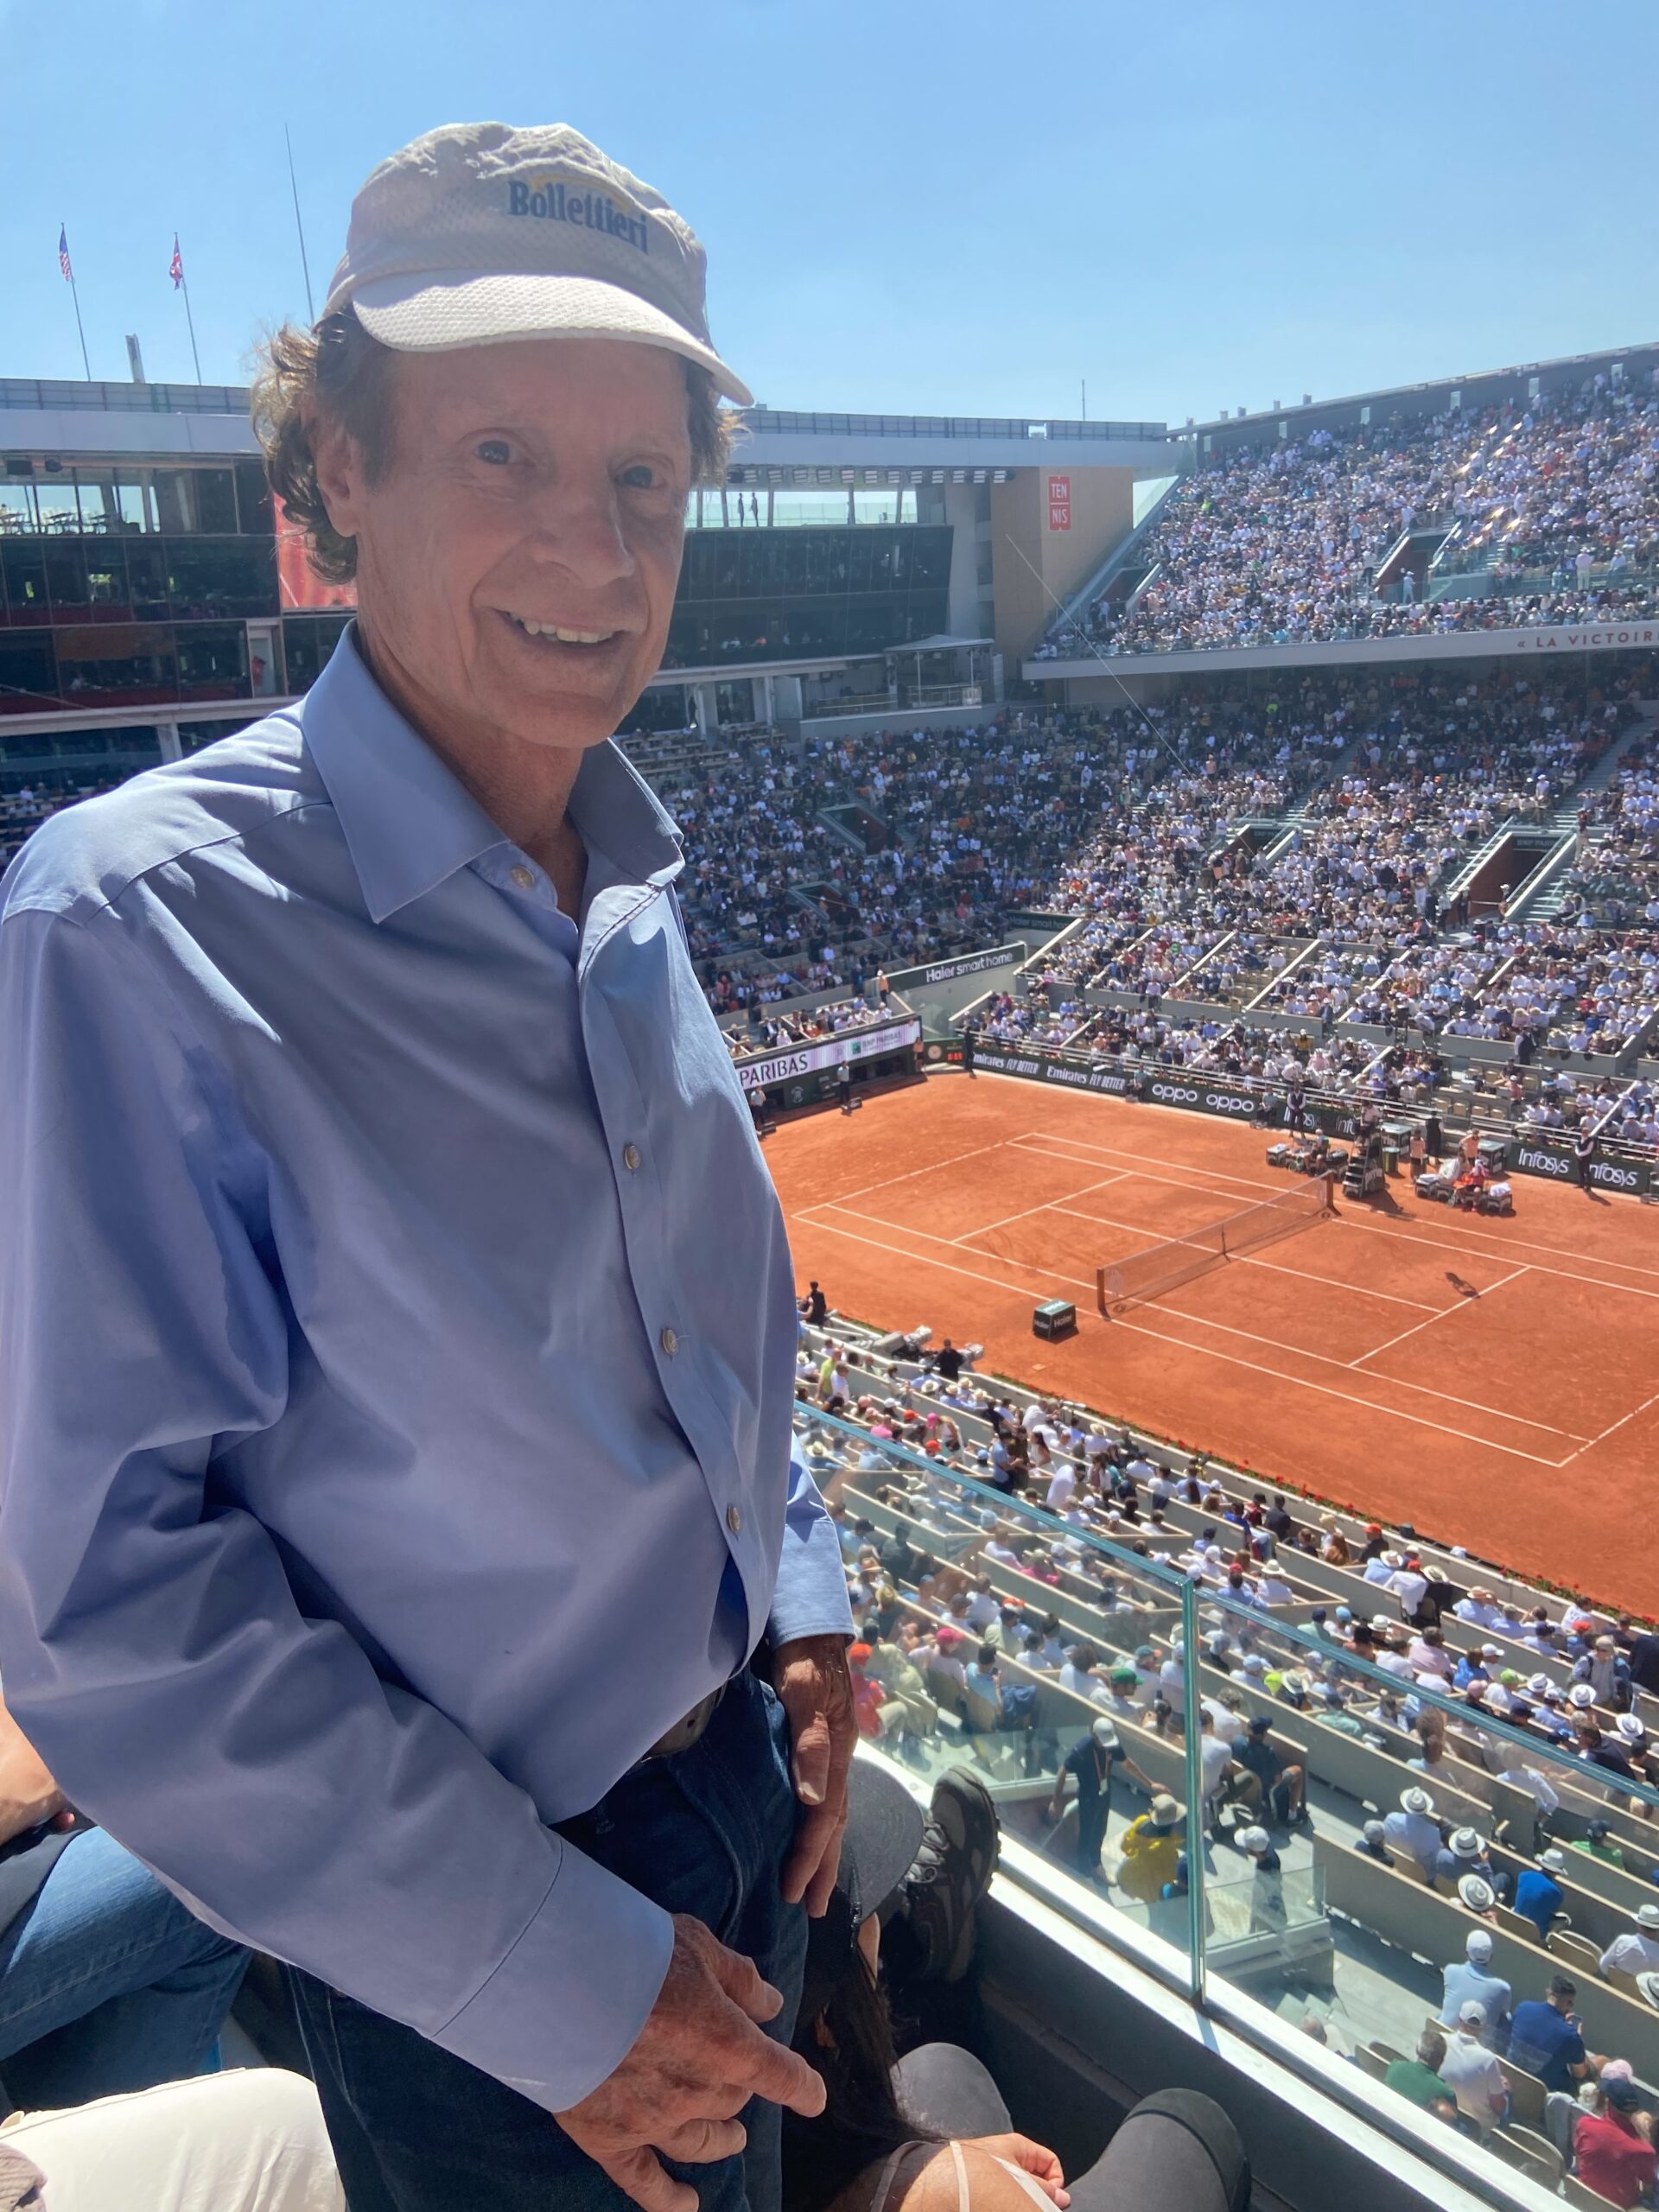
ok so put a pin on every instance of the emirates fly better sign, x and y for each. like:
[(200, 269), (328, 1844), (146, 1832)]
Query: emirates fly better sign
[(1059, 503)]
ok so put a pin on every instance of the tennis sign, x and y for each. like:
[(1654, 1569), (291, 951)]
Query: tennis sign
[(1059, 503)]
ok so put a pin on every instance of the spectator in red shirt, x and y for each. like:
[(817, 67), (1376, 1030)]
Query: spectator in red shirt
[(1614, 2158)]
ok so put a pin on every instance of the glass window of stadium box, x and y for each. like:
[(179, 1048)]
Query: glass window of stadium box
[(307, 641), (213, 660), (29, 671), (1276, 1898), (76, 760), (40, 495), (118, 665)]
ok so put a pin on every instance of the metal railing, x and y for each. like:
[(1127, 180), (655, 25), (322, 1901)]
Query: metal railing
[(764, 422), (63, 395)]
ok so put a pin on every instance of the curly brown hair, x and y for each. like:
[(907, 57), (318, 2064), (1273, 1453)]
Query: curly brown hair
[(348, 375)]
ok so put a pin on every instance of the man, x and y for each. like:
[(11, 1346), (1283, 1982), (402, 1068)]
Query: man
[(1282, 1780), (444, 1317), (947, 1362), (1420, 2079), (815, 1307), (1469, 1977), (1152, 1851), (1594, 1844), (1636, 1951), (1091, 1762), (1544, 2038), (1612, 2155), (1471, 2073), (1414, 1830), (1539, 1897)]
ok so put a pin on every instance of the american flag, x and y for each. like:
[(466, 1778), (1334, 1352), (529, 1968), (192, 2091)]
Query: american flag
[(63, 255), (175, 267)]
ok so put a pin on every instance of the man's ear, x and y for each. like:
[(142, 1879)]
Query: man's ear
[(339, 465)]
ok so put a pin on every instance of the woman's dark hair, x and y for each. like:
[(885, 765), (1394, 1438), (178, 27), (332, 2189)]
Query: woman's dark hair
[(337, 369), (860, 2121)]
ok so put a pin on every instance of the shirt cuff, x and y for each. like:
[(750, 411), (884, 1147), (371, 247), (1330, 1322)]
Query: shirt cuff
[(566, 2005)]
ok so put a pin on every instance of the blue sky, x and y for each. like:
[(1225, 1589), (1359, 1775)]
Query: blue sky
[(929, 206)]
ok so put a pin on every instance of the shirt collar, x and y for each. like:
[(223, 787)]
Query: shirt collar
[(408, 821)]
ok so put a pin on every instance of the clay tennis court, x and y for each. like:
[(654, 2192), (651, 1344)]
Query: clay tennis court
[(1493, 1382)]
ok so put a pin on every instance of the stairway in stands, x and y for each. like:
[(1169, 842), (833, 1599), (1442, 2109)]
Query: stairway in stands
[(1546, 903)]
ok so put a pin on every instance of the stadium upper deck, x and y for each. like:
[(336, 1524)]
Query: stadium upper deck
[(1476, 517)]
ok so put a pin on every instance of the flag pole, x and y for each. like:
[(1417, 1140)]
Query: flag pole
[(75, 294), (184, 286), (294, 187)]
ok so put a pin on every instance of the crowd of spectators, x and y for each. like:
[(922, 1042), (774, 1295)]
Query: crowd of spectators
[(960, 1642), (1555, 508)]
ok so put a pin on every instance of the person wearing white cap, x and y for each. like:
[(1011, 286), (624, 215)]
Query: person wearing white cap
[(1470, 2070), (1091, 1763), (1636, 1951), (359, 1060), (1412, 1828), (1468, 1977)]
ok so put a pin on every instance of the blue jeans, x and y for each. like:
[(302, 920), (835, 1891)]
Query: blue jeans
[(416, 2129), (107, 1983)]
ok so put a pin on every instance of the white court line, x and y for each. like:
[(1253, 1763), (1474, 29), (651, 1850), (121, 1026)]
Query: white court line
[(1457, 1307), (1606, 1433), (1406, 1232), (1274, 1266), (1048, 1206), (1023, 1143), (910, 1173), (1206, 1351), (1222, 1328)]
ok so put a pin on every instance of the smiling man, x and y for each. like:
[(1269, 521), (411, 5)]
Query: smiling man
[(402, 1547)]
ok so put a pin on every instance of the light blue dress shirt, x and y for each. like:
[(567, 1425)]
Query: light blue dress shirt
[(397, 1357)]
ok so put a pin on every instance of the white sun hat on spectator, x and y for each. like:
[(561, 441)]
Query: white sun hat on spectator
[(476, 233), (1418, 1803), (1647, 1916), (1553, 1861), (1254, 1841), (1472, 2013), (1581, 1695), (1479, 1895), (1466, 1843), (1630, 1724)]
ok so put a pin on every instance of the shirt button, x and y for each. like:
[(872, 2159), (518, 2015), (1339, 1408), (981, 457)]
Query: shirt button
[(733, 1519), (630, 1157), (670, 1342), (521, 876)]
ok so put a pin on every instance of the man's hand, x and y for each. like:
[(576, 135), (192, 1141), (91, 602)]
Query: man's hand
[(28, 1793), (696, 2063), (812, 1678)]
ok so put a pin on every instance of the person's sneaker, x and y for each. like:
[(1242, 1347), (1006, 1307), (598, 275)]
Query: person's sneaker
[(952, 1870)]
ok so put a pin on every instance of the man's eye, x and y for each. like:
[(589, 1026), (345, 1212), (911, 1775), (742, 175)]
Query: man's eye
[(493, 450), (642, 477)]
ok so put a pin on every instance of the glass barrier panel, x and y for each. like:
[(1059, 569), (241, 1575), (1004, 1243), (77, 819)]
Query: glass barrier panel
[(1382, 1849), (1051, 1662), (1375, 1820)]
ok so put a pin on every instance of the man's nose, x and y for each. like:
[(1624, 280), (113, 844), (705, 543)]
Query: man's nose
[(579, 529)]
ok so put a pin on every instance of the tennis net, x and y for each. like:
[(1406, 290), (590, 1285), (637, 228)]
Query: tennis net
[(1143, 1275)]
